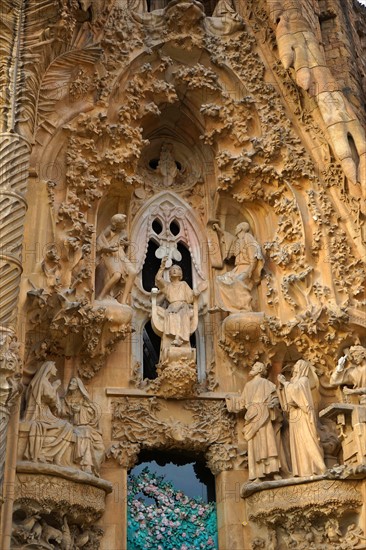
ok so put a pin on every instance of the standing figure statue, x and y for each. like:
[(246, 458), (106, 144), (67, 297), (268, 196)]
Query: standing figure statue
[(89, 448), (296, 399), (352, 374), (50, 437), (114, 267), (179, 320), (235, 287), (263, 420)]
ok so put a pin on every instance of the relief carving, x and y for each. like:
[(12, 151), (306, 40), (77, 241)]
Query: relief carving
[(61, 433), (10, 388), (143, 424)]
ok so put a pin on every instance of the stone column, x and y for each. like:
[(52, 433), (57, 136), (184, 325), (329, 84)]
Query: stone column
[(230, 510), (115, 531)]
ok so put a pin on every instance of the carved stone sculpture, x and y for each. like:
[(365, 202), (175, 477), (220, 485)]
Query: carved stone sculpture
[(10, 388), (350, 415), (50, 436), (175, 324), (51, 268), (235, 287), (167, 167), (114, 267), (263, 421), (84, 415), (179, 319), (299, 48), (351, 371), (53, 532), (225, 19), (296, 399), (76, 442)]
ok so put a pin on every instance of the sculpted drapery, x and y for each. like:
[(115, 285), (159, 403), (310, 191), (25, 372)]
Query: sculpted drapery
[(177, 316), (49, 436), (84, 414), (234, 288), (114, 267), (262, 424), (63, 433), (296, 399)]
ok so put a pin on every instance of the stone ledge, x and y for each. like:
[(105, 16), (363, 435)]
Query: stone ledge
[(70, 474), (135, 392), (310, 497), (334, 474)]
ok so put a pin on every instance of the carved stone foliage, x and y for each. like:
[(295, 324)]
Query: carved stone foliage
[(259, 157), (141, 424), (312, 498), (10, 388), (63, 325), (307, 516), (324, 532), (244, 337)]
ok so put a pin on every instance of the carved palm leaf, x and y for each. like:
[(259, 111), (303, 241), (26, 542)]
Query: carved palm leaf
[(22, 27), (54, 85)]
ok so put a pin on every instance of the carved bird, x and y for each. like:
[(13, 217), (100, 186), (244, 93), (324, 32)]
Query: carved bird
[(82, 539)]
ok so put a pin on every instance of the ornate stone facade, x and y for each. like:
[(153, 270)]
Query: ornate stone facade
[(182, 221)]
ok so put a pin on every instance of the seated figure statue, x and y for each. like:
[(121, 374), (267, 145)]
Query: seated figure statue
[(50, 436), (64, 433), (235, 287), (89, 447)]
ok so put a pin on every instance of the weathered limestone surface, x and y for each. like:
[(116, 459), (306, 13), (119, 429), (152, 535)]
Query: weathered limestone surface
[(199, 167)]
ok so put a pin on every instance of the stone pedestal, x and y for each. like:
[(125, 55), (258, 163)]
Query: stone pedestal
[(56, 506), (241, 336), (177, 372)]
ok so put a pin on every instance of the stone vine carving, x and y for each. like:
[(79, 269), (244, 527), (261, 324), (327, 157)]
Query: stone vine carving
[(138, 424), (10, 388), (64, 325)]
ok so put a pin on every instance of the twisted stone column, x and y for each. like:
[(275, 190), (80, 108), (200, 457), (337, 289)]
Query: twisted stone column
[(14, 159)]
